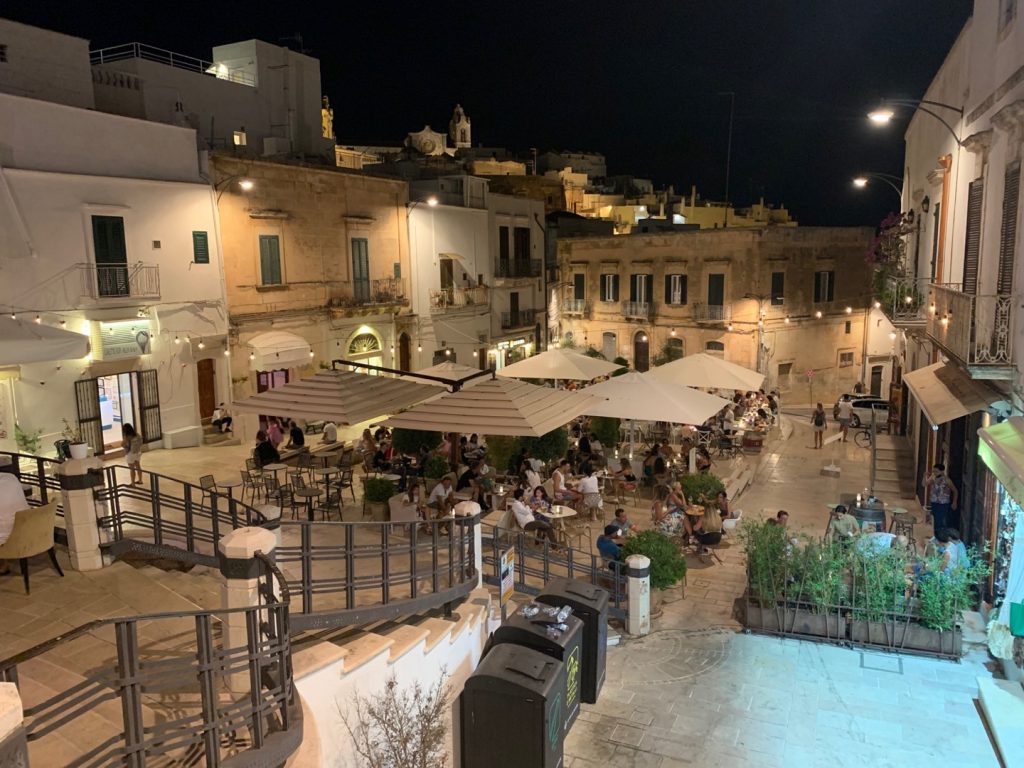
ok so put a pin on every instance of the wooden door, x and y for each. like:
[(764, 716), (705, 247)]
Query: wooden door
[(148, 399), (404, 352), (207, 385), (90, 424)]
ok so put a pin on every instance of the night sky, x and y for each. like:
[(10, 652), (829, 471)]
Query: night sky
[(636, 81)]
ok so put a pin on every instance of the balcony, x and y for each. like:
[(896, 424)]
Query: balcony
[(456, 299), (636, 310), (124, 51), (903, 301), (371, 297), (712, 313), (575, 307), (517, 268), (977, 329), (119, 281), (524, 318)]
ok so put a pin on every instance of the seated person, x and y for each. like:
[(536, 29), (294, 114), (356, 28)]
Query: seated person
[(596, 449), (843, 525), (649, 459), (381, 434), (539, 502), (664, 521), (608, 543), (526, 520), (414, 498), (722, 502), (531, 479), (222, 418), (583, 446), (676, 500), (470, 481), (560, 491), (330, 433), (265, 452), (781, 519), (625, 480), (586, 466), (708, 529), (875, 542), (703, 460), (667, 451), (296, 437), (626, 528), (590, 488), (441, 498)]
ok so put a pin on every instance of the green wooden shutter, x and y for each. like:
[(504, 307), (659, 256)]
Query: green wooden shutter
[(831, 285), (579, 286), (200, 248), (615, 288), (270, 260), (972, 244), (648, 289), (668, 289), (111, 256), (90, 423), (778, 297), (1008, 231), (604, 288), (361, 269)]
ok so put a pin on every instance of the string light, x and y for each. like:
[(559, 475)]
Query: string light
[(419, 347), (475, 354), (787, 320), (906, 300), (227, 353), (849, 310), (672, 332), (931, 308), (177, 340), (252, 355), (728, 327), (38, 319), (311, 353), (63, 323), (188, 339), (892, 335), (818, 314), (13, 316), (201, 344), (878, 304), (644, 338), (447, 352)]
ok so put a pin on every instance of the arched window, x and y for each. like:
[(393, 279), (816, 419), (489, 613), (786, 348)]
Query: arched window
[(716, 348), (365, 348), (641, 352)]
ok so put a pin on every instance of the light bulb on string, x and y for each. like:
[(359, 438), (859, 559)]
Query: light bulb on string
[(227, 353), (447, 352), (38, 319), (849, 310), (818, 314), (672, 332), (13, 316), (787, 320), (311, 353), (252, 355), (728, 327), (201, 344), (177, 340), (419, 347), (63, 323)]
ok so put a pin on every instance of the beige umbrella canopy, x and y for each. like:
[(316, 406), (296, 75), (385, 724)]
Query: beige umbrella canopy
[(703, 370), (560, 364), (496, 407), (455, 373), (26, 342), (343, 397), (637, 396)]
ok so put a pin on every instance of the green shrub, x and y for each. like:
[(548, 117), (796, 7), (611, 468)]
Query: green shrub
[(377, 489), (547, 447), (605, 429), (702, 487), (942, 597), (500, 450), (667, 354), (768, 560), (436, 466), (27, 442), (879, 581), (408, 441), (592, 352), (668, 566), (819, 575), (625, 366)]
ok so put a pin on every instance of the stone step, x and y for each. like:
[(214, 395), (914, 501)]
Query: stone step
[(1002, 702)]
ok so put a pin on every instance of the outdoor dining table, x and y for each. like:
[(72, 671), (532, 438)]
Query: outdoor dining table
[(558, 514), (275, 468), (230, 484), (308, 494), (867, 513)]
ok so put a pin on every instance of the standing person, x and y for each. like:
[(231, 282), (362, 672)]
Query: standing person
[(132, 444), (845, 415), (222, 418), (274, 432), (942, 496), (818, 421)]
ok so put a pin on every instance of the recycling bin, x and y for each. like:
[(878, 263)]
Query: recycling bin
[(566, 647), (512, 710), (589, 603)]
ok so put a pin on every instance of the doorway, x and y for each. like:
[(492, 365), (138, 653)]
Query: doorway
[(207, 385), (405, 352), (117, 407), (876, 380), (641, 352)]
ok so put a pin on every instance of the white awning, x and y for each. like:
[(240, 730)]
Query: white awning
[(278, 349), (1002, 449), (945, 392), (28, 342)]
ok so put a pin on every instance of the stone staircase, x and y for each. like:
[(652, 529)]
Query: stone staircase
[(894, 469), (213, 436)]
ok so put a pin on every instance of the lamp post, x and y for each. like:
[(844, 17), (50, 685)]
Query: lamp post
[(861, 181), (884, 113)]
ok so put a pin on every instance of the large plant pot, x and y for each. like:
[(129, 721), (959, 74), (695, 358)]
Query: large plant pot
[(793, 620), (907, 635), (376, 511), (79, 450)]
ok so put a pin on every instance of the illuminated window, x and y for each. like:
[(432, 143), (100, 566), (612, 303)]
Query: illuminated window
[(239, 138), (845, 359)]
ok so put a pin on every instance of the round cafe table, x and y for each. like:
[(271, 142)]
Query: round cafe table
[(275, 468), (308, 494), (230, 484), (558, 514)]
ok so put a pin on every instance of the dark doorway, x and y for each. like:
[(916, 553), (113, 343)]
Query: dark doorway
[(641, 352), (207, 385), (716, 290), (876, 380), (404, 352)]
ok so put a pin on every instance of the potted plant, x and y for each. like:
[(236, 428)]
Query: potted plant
[(817, 594), (79, 448), (768, 553), (376, 492), (501, 449), (668, 566), (27, 442), (549, 446), (605, 429), (434, 468), (702, 488)]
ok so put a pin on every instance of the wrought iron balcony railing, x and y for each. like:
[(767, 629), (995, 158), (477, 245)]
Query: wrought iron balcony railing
[(904, 300), (977, 328), (712, 313), (636, 309), (517, 268), (451, 299), (108, 281), (520, 319), (574, 307)]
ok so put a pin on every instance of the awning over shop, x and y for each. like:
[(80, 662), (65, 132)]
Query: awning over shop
[(27, 342), (278, 349), (944, 392), (1002, 449)]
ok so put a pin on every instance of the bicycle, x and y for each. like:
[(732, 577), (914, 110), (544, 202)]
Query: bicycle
[(863, 437)]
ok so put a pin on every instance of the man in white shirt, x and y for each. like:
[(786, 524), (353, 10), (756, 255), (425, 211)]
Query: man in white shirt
[(526, 520), (558, 487), (330, 434), (845, 415), (442, 497)]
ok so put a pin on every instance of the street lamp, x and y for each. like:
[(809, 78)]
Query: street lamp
[(883, 114), (887, 178)]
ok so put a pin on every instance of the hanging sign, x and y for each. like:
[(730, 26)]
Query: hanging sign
[(121, 339)]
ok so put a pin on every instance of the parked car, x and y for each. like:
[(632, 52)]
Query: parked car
[(862, 407)]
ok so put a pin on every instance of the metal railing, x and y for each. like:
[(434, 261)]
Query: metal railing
[(387, 290), (574, 307), (517, 268), (169, 701), (636, 309), (536, 564), (103, 281), (171, 59), (356, 573), (458, 298), (167, 516), (903, 300), (520, 319), (977, 328), (712, 313), (37, 472)]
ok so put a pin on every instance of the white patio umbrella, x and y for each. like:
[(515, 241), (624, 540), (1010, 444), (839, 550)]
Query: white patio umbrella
[(560, 364), (496, 407), (28, 342), (703, 370), (343, 397), (455, 373)]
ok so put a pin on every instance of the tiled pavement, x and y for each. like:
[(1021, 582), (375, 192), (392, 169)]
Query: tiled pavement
[(699, 692)]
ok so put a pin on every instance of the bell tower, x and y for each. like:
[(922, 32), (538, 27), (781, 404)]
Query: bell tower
[(459, 129)]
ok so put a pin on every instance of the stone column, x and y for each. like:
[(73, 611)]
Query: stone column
[(236, 551), (13, 749), (638, 590), (78, 480)]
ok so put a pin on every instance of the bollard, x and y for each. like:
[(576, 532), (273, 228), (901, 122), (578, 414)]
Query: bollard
[(638, 591), (77, 484)]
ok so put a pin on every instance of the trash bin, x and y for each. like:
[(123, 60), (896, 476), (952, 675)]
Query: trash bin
[(589, 604), (565, 646), (512, 710)]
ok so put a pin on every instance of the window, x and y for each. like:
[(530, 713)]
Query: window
[(716, 290), (3, 54), (785, 369), (675, 289), (270, 260), (609, 287), (200, 248), (521, 236), (579, 286), (849, 325), (239, 138), (972, 238), (503, 252), (1008, 229), (778, 289), (845, 359), (716, 348), (111, 256), (361, 269), (640, 288), (397, 270), (824, 286)]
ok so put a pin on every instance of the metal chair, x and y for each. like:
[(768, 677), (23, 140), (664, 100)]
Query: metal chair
[(209, 485), (252, 484), (902, 524), (251, 465), (346, 481), (286, 500), (593, 506)]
